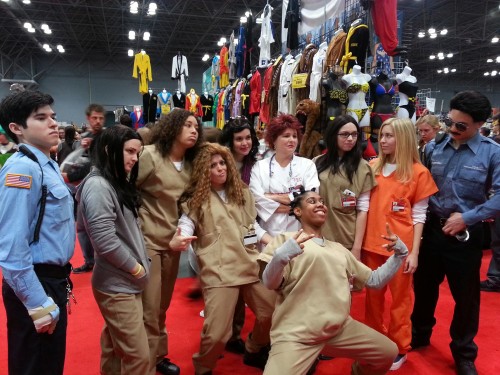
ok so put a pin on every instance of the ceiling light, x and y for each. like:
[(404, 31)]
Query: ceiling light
[(433, 36), (153, 6), (47, 48), (440, 54), (131, 34), (432, 30), (146, 35), (205, 57), (494, 73), (44, 26), (440, 71), (243, 20), (453, 70), (31, 30), (258, 20), (219, 43), (486, 73), (441, 57), (450, 55), (494, 39), (5, 1), (134, 7), (443, 32), (47, 31), (421, 34), (27, 25), (130, 52), (223, 40), (489, 60), (248, 13), (26, 2), (432, 57), (498, 59)]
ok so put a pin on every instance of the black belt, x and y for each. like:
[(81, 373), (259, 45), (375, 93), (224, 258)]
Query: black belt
[(52, 270)]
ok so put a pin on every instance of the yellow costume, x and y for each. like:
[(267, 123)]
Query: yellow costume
[(142, 62)]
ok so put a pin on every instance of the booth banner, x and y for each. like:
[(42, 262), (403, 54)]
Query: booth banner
[(430, 104)]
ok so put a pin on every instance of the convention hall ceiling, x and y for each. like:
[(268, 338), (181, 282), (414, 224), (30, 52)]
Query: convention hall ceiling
[(99, 29)]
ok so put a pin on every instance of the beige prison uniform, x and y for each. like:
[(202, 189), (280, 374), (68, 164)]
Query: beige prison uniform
[(340, 225), (226, 267), (312, 313), (161, 185)]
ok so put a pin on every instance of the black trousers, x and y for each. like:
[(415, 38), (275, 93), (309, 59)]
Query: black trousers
[(441, 255), (29, 352)]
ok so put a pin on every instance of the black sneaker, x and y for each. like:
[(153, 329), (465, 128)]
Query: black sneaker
[(85, 268), (258, 359)]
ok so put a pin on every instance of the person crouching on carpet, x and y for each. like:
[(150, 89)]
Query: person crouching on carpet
[(314, 277), (220, 210), (109, 201)]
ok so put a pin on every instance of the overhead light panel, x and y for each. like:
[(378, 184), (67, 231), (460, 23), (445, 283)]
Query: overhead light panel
[(433, 36), (421, 34), (131, 34), (494, 73), (494, 39), (27, 25), (243, 19), (432, 31), (152, 9), (60, 48), (450, 55), (453, 70), (443, 32), (134, 7), (432, 57), (205, 57), (498, 59), (130, 52), (146, 35), (486, 73), (47, 48), (219, 43), (26, 2)]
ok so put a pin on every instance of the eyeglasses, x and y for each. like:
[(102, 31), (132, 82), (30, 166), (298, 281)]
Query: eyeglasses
[(347, 135), (459, 125)]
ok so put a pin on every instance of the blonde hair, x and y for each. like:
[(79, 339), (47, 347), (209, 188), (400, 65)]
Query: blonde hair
[(432, 121), (199, 186), (406, 153)]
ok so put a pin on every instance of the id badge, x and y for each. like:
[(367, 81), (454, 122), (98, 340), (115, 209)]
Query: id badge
[(250, 239), (398, 206), (348, 201)]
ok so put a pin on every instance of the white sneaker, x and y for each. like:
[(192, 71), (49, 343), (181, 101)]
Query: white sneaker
[(398, 362)]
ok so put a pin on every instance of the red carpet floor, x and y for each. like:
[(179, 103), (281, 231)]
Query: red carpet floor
[(184, 325)]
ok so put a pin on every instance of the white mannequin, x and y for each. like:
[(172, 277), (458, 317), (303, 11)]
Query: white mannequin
[(405, 76), (164, 91), (357, 99)]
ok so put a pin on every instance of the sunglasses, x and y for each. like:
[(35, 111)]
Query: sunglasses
[(459, 125)]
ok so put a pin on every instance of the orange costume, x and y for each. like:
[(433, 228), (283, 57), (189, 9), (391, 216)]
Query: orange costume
[(391, 202), (142, 63), (193, 104), (224, 67)]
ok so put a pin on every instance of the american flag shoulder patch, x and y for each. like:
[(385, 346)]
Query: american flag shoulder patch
[(18, 180)]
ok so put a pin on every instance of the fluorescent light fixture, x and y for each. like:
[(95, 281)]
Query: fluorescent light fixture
[(223, 40), (247, 14), (498, 59), (219, 43), (453, 70), (31, 30), (44, 26), (205, 57), (421, 34), (26, 2), (440, 71), (486, 73), (152, 6), (443, 32), (494, 39), (432, 30), (146, 35), (130, 52), (27, 25), (433, 36), (441, 57), (489, 60), (432, 57), (131, 34), (243, 19), (450, 55), (47, 31), (494, 73)]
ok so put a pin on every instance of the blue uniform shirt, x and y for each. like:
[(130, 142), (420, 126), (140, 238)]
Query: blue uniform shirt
[(20, 192), (464, 177)]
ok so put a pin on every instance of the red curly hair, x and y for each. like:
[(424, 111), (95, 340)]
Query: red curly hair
[(278, 125)]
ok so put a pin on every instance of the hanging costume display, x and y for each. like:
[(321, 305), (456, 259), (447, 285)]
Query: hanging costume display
[(285, 81), (381, 60), (335, 49), (274, 88), (165, 102), (356, 46), (248, 46), (245, 100), (150, 105), (264, 114), (215, 73), (232, 57), (142, 66), (255, 92), (305, 66), (179, 99), (240, 53), (385, 21), (180, 71), (193, 103), (137, 118), (266, 37), (292, 20), (224, 67), (207, 103), (316, 73)]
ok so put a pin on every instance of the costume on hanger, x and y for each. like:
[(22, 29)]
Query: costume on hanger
[(274, 88), (150, 105), (237, 103), (232, 57), (264, 113), (180, 71), (207, 103), (220, 109), (240, 53), (292, 20), (255, 92), (385, 21), (356, 46), (142, 65), (223, 67), (382, 62), (137, 118), (285, 81), (179, 99), (245, 100), (228, 99), (165, 102), (193, 103), (266, 36), (305, 66), (316, 73), (335, 49), (215, 73), (248, 45), (292, 92)]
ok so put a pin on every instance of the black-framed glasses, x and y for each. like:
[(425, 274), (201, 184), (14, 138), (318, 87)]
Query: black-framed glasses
[(346, 135), (459, 125)]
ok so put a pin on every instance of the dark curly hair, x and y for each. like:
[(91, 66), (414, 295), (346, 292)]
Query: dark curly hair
[(165, 133), (236, 125), (279, 124), (475, 104), (297, 200)]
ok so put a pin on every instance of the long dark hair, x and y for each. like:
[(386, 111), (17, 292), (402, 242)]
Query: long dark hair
[(350, 160), (107, 157), (236, 125)]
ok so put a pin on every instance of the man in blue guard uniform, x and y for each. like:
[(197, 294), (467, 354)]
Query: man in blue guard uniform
[(38, 238), (465, 166)]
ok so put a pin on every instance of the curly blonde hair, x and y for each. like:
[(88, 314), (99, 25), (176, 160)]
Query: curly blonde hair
[(199, 186)]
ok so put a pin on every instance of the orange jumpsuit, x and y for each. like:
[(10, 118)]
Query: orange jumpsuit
[(391, 202)]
